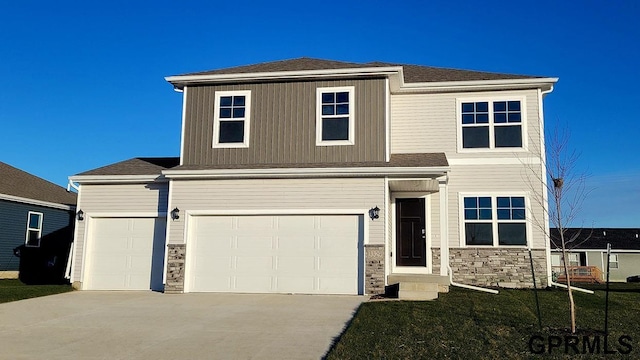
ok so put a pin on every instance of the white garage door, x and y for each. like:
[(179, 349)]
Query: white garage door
[(282, 254), (125, 254)]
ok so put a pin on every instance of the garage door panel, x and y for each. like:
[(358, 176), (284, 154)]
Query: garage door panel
[(275, 253), (304, 242), (253, 264), (296, 284), (125, 254), (253, 283), (253, 244), (288, 264)]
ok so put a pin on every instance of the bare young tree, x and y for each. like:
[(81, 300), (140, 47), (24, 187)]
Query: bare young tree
[(563, 193)]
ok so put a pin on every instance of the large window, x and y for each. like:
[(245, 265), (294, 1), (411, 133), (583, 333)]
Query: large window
[(494, 220), (34, 229), (335, 116), (491, 124), (231, 119)]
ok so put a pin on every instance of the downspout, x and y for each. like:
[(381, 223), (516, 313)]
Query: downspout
[(70, 185), (471, 287), (550, 281)]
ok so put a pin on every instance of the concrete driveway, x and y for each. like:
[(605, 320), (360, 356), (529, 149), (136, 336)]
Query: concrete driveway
[(147, 325)]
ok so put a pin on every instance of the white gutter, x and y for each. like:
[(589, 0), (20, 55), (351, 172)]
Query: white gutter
[(67, 270), (471, 287), (572, 287), (70, 185), (36, 202), (303, 172), (181, 80), (101, 179), (545, 195)]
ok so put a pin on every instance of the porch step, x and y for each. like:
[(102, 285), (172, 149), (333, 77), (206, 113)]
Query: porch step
[(419, 286)]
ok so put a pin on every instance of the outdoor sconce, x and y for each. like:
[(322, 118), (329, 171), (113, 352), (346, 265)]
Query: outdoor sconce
[(175, 214), (374, 213), (80, 215)]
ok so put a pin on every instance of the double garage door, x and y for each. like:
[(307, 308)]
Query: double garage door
[(311, 254), (125, 254)]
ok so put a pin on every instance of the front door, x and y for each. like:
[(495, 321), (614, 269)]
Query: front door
[(410, 233)]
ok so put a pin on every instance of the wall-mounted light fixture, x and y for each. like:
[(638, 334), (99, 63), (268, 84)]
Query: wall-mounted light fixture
[(80, 215), (374, 213), (175, 214)]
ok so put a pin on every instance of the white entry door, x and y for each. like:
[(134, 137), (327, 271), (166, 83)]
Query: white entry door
[(125, 254), (313, 254)]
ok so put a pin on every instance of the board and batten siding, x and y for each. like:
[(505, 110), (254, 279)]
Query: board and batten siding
[(425, 123), (283, 124), (13, 228), (118, 200), (279, 194)]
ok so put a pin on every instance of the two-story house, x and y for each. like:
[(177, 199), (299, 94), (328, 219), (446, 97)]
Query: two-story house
[(327, 177)]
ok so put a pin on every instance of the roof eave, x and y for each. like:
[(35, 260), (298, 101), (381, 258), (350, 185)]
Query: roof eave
[(477, 85), (421, 171), (114, 179), (180, 81)]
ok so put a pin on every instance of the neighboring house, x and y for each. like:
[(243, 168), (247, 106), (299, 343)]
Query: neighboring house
[(318, 176), (34, 214), (589, 249)]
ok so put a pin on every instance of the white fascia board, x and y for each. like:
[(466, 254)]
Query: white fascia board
[(476, 85), (596, 250), (36, 202), (181, 80), (111, 179), (306, 172)]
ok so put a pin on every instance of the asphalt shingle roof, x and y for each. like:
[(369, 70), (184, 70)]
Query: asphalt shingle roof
[(15, 182), (412, 73), (154, 166), (397, 160), (597, 238), (136, 166)]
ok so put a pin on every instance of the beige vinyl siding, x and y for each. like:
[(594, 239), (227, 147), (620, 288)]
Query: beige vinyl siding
[(283, 124), (119, 200), (279, 194), (423, 123), (491, 180), (628, 264)]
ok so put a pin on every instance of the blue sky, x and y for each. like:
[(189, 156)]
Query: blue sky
[(83, 84)]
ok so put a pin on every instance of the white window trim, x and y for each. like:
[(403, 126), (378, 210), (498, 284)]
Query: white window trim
[(39, 229), (247, 119), (491, 99), (612, 261), (494, 218), (319, 92)]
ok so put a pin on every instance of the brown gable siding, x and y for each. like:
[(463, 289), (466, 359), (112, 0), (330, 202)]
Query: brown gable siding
[(283, 124)]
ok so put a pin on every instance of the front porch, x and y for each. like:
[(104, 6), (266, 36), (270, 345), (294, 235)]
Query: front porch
[(418, 229)]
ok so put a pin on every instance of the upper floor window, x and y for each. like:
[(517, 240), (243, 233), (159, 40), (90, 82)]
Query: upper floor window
[(34, 229), (335, 116), (231, 119), (491, 124), (494, 220)]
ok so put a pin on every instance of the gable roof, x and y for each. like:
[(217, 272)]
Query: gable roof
[(17, 183), (136, 166), (412, 73), (597, 238)]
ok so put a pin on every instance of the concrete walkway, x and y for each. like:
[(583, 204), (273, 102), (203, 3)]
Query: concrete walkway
[(147, 325)]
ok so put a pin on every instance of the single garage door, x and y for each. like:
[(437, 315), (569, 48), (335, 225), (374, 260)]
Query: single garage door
[(282, 254), (125, 254)]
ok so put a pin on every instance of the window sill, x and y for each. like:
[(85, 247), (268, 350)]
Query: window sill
[(230, 145), (334, 143)]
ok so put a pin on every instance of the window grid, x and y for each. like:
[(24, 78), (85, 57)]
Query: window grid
[(506, 213), (335, 116), (231, 119), (491, 124), (613, 261)]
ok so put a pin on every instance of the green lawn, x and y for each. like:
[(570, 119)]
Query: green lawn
[(465, 324), (13, 290)]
